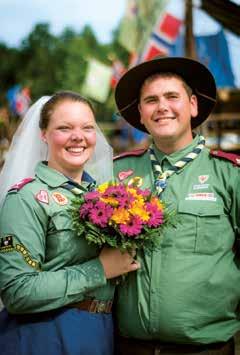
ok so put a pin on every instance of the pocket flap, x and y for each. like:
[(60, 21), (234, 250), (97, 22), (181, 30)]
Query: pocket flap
[(62, 221), (200, 208)]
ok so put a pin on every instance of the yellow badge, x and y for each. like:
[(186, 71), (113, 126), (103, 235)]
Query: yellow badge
[(137, 181), (21, 249), (59, 198)]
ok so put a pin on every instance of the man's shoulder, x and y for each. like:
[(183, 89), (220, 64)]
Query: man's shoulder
[(230, 157), (132, 153)]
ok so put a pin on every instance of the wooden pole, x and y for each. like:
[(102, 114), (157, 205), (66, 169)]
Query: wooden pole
[(190, 50)]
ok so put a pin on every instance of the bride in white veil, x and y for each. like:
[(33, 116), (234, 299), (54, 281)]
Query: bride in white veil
[(27, 149)]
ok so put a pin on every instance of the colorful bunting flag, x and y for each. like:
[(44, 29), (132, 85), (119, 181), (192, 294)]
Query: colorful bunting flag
[(19, 100), (97, 81), (168, 27), (153, 49), (117, 71)]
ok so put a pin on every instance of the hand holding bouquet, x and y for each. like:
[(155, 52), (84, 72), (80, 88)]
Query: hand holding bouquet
[(121, 216)]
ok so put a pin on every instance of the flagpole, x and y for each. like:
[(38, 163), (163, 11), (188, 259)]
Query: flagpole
[(190, 50)]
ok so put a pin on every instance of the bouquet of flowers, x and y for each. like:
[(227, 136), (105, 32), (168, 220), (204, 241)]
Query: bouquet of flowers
[(120, 216)]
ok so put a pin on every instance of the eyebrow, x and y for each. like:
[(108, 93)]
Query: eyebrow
[(167, 93)]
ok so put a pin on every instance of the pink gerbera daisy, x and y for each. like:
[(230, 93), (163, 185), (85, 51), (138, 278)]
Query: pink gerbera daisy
[(100, 214), (91, 196), (131, 228), (156, 215), (85, 209)]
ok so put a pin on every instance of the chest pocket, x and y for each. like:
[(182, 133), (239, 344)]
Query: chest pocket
[(61, 221), (204, 227), (62, 240)]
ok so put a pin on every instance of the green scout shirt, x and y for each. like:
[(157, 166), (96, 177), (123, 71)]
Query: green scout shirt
[(43, 264), (188, 290)]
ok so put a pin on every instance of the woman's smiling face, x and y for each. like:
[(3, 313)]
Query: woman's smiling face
[(71, 137)]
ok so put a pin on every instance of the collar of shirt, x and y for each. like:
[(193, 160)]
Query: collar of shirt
[(55, 179), (167, 160)]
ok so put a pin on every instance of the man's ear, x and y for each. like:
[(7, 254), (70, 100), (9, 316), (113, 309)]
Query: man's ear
[(194, 106)]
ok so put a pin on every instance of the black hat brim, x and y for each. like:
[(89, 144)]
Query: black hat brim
[(196, 75)]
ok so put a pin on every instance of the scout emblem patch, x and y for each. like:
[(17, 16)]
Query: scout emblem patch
[(124, 174), (59, 198), (203, 178), (6, 244), (42, 196), (137, 181)]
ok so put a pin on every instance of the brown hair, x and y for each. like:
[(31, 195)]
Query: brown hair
[(57, 98), (167, 75)]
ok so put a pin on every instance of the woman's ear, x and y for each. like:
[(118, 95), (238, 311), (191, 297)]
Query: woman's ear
[(43, 136)]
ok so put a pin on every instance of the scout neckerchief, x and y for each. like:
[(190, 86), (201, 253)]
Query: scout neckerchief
[(78, 189), (160, 177)]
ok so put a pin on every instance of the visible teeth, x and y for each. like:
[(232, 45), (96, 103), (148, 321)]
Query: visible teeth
[(75, 150)]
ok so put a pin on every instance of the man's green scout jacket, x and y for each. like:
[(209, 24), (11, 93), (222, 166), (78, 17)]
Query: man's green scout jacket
[(189, 290)]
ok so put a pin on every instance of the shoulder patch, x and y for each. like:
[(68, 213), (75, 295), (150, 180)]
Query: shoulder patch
[(20, 184), (132, 153), (234, 158)]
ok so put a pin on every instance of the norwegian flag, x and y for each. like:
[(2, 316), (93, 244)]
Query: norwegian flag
[(153, 49), (168, 27), (117, 71), (163, 37)]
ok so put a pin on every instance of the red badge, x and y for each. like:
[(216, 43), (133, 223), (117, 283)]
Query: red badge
[(42, 196), (203, 178), (124, 174), (59, 198)]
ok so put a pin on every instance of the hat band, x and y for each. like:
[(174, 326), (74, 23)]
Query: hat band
[(206, 96), (126, 107)]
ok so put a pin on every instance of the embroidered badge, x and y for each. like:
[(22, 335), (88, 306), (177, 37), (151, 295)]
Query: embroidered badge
[(203, 178), (124, 174), (21, 249), (42, 196), (59, 198), (6, 244), (137, 181), (207, 196)]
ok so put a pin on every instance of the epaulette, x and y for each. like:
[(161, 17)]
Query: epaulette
[(131, 153), (234, 158), (20, 184)]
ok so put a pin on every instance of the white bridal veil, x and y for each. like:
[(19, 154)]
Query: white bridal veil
[(27, 149)]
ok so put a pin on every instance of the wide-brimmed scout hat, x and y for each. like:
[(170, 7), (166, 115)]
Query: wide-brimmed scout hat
[(196, 75)]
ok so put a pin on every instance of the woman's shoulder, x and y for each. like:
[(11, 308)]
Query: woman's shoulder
[(27, 187)]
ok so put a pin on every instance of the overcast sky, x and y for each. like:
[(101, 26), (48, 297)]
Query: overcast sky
[(18, 17)]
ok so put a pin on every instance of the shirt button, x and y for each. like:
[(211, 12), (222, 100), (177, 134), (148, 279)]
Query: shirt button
[(153, 291)]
